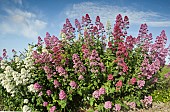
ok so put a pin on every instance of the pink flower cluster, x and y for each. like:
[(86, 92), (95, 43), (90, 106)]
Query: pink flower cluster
[(39, 41), (45, 104), (62, 95), (73, 84), (61, 71), (122, 51), (130, 42), (147, 100), (78, 65), (97, 93), (95, 62), (110, 77), (86, 52), (132, 81), (37, 86), (52, 109), (158, 49), (117, 107), (56, 84), (80, 77), (68, 30), (108, 105), (141, 83), (4, 53), (149, 69), (78, 25), (51, 41), (48, 92), (132, 105), (118, 85)]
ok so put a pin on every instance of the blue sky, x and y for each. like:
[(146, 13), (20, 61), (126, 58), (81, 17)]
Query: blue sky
[(22, 21)]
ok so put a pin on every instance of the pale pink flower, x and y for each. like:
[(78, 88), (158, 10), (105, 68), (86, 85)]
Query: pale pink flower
[(117, 107), (73, 84), (95, 94), (80, 77), (110, 77), (102, 91), (108, 105), (56, 83), (37, 86), (48, 92), (40, 94), (140, 83), (133, 81), (132, 105), (45, 104), (119, 83), (52, 109), (62, 95)]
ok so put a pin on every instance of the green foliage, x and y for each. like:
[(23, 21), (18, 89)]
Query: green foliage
[(162, 93)]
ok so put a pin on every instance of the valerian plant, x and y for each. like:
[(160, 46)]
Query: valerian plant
[(90, 68)]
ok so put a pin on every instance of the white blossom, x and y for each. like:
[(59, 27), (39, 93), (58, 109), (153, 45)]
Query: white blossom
[(26, 108), (25, 101), (31, 88)]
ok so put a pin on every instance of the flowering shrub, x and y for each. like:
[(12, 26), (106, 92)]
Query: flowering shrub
[(89, 67)]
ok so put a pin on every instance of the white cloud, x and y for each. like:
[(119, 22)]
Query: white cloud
[(18, 2), (109, 12), (21, 23)]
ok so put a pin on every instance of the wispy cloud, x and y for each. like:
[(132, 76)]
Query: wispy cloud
[(18, 2), (109, 12), (21, 23)]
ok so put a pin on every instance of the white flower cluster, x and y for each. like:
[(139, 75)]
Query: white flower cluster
[(3, 64), (6, 79), (21, 75), (26, 108), (31, 88), (28, 60)]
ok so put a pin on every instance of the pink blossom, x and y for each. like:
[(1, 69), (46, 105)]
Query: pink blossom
[(56, 83), (96, 94), (48, 92), (37, 86), (49, 76), (102, 91), (52, 109), (119, 83), (117, 107), (110, 77), (45, 104), (97, 20), (132, 105), (133, 81), (108, 105), (140, 83), (62, 95), (80, 77), (147, 100), (73, 84), (4, 53), (39, 41), (61, 70), (40, 94)]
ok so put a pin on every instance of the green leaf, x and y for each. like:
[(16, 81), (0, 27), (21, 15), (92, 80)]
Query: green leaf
[(62, 103), (91, 101)]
